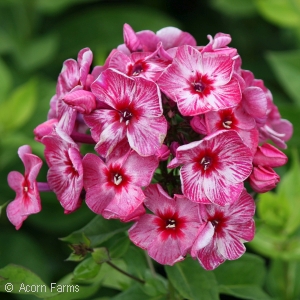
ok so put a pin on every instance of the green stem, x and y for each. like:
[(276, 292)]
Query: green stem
[(125, 273), (150, 264)]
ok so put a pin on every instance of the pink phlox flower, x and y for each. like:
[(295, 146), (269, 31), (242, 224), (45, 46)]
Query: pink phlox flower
[(173, 37), (200, 82), (198, 124), (27, 200), (134, 113), (268, 155), (74, 76), (114, 188), (142, 41), (44, 129), (263, 179), (65, 174), (214, 169), (256, 98), (167, 234), (145, 64), (234, 119), (276, 129), (226, 230), (218, 44)]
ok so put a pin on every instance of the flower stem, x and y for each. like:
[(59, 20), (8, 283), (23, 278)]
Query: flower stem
[(150, 264), (82, 138), (43, 187), (125, 273)]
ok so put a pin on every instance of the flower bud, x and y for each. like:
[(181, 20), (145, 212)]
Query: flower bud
[(82, 101), (163, 152), (45, 128), (269, 156), (263, 179)]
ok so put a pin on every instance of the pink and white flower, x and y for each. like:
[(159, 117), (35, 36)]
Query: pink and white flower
[(226, 230), (113, 189), (200, 82), (215, 168), (169, 233), (134, 113), (65, 174), (27, 200)]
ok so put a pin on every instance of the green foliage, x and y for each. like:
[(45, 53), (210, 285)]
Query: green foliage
[(98, 231), (278, 236), (280, 12), (192, 281), (20, 278), (235, 8), (22, 110), (286, 66)]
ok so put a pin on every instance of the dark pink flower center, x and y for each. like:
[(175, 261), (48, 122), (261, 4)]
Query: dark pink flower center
[(199, 86), (170, 223), (117, 179), (206, 162), (126, 115), (137, 68)]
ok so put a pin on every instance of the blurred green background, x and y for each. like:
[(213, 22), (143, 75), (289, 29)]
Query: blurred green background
[(36, 36)]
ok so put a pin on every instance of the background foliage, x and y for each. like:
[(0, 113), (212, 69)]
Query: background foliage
[(36, 36)]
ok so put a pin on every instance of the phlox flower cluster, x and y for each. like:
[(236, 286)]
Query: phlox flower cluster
[(178, 130)]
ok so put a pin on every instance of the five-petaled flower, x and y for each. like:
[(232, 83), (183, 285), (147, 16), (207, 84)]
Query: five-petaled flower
[(214, 168), (226, 230), (27, 200), (169, 233)]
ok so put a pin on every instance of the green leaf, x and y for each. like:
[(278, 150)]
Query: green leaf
[(235, 8), (98, 231), (112, 278), (18, 108), (87, 269), (280, 12), (283, 279), (289, 192), (252, 292), (192, 281), (37, 53), (286, 66), (23, 281), (242, 278), (136, 292), (56, 6), (2, 206), (118, 245), (6, 80), (249, 269), (155, 285), (136, 261)]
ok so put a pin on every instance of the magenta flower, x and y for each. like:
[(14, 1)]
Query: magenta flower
[(27, 200), (214, 168), (134, 113), (200, 82), (226, 230), (234, 119), (145, 64), (74, 76), (169, 233), (113, 189), (65, 174)]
